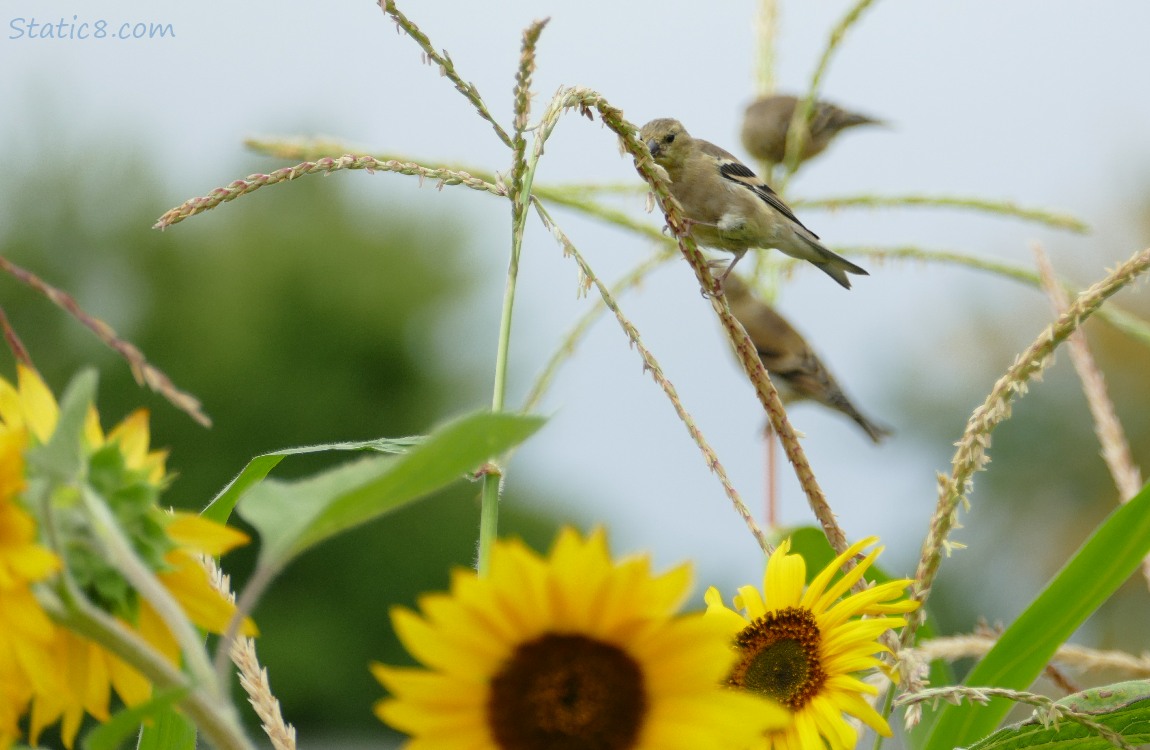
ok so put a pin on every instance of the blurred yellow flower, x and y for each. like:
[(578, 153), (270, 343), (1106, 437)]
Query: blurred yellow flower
[(803, 646), (44, 668), (570, 651), (25, 630)]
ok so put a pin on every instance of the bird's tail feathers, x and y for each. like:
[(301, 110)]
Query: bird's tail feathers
[(876, 432), (835, 266)]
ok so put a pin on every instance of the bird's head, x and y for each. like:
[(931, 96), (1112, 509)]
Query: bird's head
[(667, 140)]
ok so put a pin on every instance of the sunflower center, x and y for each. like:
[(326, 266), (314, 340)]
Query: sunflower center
[(567, 692), (779, 657)]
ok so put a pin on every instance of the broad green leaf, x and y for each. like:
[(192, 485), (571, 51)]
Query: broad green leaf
[(1124, 708), (221, 507), (114, 732), (1103, 564), (170, 730), (293, 516)]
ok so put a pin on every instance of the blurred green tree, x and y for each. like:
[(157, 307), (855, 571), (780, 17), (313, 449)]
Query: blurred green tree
[(296, 318)]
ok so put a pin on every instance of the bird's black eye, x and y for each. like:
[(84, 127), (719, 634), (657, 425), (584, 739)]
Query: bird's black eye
[(669, 138)]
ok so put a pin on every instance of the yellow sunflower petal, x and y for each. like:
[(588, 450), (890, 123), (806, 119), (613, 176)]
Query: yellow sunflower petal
[(783, 579), (860, 709), (463, 631), (93, 432), (668, 591), (819, 583), (12, 444), (732, 621), (429, 689), (828, 717), (845, 636), (11, 411), (751, 602), (40, 412), (845, 683), (844, 584), (729, 720), (852, 606), (134, 436), (204, 535), (806, 731), (414, 718)]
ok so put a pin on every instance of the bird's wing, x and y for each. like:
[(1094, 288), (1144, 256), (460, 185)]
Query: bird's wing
[(741, 174)]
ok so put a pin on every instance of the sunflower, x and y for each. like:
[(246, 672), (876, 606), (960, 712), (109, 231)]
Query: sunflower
[(571, 651), (48, 670), (804, 647), (25, 630)]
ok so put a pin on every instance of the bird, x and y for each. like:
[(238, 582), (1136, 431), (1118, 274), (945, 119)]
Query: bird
[(727, 207), (796, 371), (767, 120)]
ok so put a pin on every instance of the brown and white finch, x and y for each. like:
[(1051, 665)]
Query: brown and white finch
[(768, 119), (727, 207), (795, 369)]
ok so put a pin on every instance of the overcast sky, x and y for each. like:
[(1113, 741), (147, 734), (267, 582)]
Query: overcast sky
[(1034, 101)]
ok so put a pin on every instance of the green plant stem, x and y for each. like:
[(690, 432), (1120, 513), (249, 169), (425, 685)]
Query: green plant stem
[(887, 704), (212, 716), (125, 559), (797, 131), (489, 504), (766, 32), (523, 175)]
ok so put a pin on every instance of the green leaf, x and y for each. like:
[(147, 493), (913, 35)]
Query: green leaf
[(114, 732), (1103, 564), (221, 507), (294, 516), (1124, 708), (62, 457)]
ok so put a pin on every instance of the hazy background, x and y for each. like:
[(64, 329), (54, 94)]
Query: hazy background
[(360, 305)]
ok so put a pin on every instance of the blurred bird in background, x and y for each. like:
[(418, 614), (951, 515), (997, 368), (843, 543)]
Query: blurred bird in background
[(768, 119), (728, 207), (796, 371)]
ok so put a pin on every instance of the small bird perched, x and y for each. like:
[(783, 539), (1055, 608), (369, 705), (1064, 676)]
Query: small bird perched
[(728, 207), (796, 371), (768, 119)]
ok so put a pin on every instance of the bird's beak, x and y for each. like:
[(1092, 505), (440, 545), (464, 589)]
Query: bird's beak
[(653, 147)]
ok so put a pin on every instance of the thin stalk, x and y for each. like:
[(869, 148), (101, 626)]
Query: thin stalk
[(144, 372), (255, 588), (567, 346), (446, 66), (797, 131), (982, 205), (766, 33), (1129, 324), (523, 175), (971, 454), (652, 366)]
